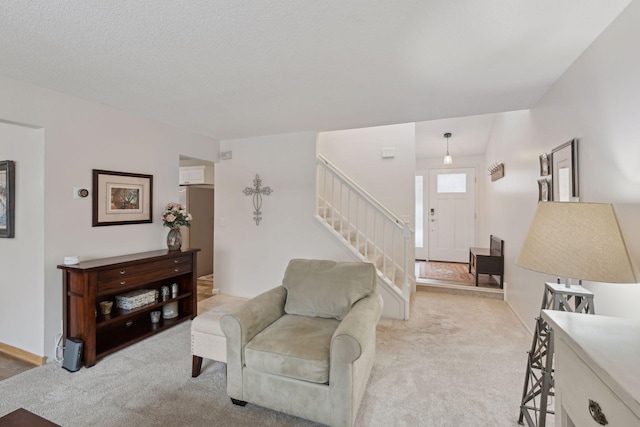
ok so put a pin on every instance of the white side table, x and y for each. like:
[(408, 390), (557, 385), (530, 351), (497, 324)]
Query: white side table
[(597, 369)]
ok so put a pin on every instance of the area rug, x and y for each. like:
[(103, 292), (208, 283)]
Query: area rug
[(451, 271)]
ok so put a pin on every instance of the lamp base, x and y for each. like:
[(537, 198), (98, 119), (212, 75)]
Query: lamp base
[(538, 381)]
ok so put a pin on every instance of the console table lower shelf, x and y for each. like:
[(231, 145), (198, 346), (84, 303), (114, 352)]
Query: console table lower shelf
[(120, 338), (87, 284)]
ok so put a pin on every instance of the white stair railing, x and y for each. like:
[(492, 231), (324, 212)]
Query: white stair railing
[(366, 226)]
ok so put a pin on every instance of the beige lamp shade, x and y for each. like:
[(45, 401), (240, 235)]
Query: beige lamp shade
[(579, 241)]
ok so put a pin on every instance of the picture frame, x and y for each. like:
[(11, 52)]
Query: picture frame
[(564, 161), (544, 165), (7, 199), (545, 190), (121, 198)]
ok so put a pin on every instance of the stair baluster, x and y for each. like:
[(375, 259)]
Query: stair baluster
[(378, 232)]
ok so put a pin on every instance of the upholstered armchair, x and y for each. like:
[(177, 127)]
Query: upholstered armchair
[(306, 347)]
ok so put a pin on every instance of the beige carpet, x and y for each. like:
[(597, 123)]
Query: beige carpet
[(459, 361)]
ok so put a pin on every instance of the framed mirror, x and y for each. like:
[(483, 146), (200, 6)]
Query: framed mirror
[(564, 161)]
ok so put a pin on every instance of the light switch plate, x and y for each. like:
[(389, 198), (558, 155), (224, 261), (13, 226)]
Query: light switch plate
[(388, 153)]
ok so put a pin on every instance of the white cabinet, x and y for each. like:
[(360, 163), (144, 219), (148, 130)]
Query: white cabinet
[(190, 175), (597, 376)]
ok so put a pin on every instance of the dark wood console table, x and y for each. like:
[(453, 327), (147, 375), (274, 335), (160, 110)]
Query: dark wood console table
[(488, 260), (88, 283)]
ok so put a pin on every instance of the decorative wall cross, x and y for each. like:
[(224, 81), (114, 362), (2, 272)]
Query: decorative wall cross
[(257, 193)]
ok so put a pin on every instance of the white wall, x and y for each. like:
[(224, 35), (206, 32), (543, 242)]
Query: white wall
[(80, 136), (250, 259), (22, 276), (596, 101)]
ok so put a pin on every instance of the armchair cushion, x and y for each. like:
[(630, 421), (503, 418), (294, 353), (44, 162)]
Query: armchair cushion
[(328, 289), (293, 346)]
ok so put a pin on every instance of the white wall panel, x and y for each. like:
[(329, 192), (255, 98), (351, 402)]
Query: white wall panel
[(596, 102)]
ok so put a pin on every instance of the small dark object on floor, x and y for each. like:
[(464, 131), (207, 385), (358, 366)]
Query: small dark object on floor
[(238, 402), (22, 417)]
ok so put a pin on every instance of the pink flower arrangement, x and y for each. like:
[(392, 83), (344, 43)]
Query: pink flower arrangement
[(175, 215)]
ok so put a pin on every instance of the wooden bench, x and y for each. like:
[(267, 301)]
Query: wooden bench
[(488, 260)]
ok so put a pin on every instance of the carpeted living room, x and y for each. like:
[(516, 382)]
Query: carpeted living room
[(343, 147), (458, 361)]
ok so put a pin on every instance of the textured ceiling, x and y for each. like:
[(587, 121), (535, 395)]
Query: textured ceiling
[(236, 68)]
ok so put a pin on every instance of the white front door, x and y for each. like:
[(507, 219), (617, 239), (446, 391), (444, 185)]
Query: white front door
[(451, 214)]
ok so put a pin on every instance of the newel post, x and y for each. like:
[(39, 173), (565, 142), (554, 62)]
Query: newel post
[(406, 290)]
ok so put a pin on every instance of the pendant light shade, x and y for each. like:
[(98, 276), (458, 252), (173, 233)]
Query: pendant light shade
[(448, 160)]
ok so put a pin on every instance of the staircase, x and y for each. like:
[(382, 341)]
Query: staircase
[(370, 232)]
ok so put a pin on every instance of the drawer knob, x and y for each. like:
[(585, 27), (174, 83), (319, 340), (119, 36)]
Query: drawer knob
[(175, 261), (122, 271), (176, 269), (596, 413), (122, 282)]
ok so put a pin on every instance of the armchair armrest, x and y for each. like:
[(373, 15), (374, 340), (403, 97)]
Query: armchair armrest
[(353, 349), (244, 323), (356, 332), (256, 314)]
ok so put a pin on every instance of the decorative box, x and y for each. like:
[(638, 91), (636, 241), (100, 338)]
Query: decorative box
[(135, 299)]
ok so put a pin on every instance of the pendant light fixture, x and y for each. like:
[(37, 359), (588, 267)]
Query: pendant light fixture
[(448, 160)]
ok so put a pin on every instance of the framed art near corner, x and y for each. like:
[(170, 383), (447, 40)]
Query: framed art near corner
[(121, 198), (7, 198), (544, 189), (544, 164), (564, 160)]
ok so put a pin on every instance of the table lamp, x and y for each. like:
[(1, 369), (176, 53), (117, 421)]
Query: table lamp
[(571, 240), (577, 240)]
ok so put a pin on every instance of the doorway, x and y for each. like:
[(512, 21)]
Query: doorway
[(445, 214), (197, 194), (199, 203)]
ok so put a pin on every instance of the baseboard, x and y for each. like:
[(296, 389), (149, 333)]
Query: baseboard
[(22, 354), (525, 324)]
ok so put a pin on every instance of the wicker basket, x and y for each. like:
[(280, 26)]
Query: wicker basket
[(135, 299)]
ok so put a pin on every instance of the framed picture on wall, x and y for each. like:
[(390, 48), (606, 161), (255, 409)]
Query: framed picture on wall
[(564, 161), (121, 198), (7, 198), (544, 189), (544, 164)]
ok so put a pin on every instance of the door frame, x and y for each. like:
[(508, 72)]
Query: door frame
[(426, 184), (425, 204)]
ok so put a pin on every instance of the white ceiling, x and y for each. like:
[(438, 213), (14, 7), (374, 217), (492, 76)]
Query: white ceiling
[(237, 68), (469, 136)]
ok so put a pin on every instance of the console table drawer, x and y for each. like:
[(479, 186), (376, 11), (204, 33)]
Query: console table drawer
[(581, 388), (126, 271), (144, 277)]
